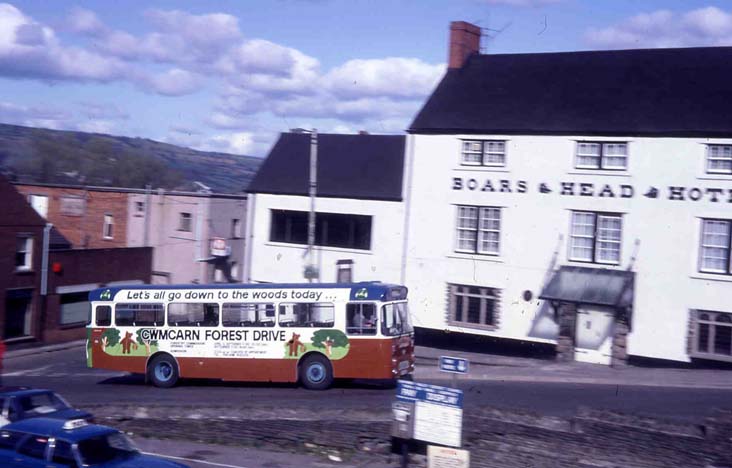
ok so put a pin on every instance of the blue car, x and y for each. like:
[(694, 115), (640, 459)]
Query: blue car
[(54, 443), (18, 403)]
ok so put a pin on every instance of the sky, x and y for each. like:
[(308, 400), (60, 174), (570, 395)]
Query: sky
[(231, 75)]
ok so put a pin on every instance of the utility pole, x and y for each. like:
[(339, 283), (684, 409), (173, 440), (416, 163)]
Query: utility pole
[(311, 270)]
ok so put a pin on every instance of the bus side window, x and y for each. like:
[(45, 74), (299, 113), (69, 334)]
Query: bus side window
[(248, 315), (193, 314), (140, 315), (104, 316), (307, 314), (124, 315), (361, 319)]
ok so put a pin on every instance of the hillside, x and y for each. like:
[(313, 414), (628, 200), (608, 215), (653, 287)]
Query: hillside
[(53, 156)]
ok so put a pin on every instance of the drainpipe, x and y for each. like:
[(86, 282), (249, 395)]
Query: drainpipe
[(44, 259), (407, 197), (44, 279), (146, 240), (199, 253), (249, 239)]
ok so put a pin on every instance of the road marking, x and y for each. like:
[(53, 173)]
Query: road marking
[(193, 460)]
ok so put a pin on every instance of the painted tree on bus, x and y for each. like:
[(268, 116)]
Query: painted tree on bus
[(329, 339), (148, 343), (110, 338)]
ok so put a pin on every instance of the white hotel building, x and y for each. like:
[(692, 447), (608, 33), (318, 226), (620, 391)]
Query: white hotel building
[(581, 199)]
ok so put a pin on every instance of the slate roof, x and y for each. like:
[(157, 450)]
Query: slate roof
[(651, 92), (349, 166)]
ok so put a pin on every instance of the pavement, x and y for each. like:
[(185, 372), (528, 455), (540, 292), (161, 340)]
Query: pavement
[(198, 455), (494, 367)]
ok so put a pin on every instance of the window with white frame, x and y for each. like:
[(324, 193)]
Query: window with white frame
[(39, 203), (712, 335), (719, 159), (108, 229), (714, 254), (483, 153), (185, 222), (24, 253), (602, 155), (139, 208), (475, 306), (595, 237), (478, 229)]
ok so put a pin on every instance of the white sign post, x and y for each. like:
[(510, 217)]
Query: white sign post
[(438, 412), (454, 366), (446, 457)]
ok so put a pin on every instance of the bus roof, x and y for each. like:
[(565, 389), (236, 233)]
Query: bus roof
[(367, 290)]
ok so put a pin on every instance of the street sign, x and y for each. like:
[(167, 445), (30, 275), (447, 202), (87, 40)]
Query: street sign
[(438, 412), (445, 457), (453, 365)]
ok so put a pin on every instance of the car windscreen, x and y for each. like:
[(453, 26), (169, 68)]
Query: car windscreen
[(105, 448), (41, 403), (395, 319)]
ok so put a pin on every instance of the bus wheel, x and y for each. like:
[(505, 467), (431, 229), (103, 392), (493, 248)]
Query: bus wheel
[(163, 371), (316, 373)]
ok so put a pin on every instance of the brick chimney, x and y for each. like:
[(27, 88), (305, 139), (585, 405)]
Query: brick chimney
[(464, 42)]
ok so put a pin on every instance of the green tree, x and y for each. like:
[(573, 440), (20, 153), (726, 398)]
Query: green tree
[(110, 337), (327, 339)]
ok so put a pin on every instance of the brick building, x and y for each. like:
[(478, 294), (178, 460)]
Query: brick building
[(88, 218), (44, 283), (197, 237)]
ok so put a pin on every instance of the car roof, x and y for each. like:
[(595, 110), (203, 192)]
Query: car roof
[(20, 391), (49, 427)]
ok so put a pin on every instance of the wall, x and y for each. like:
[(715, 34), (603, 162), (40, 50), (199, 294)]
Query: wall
[(17, 217), (177, 253), (660, 236), (222, 210), (87, 269), (281, 262), (85, 230)]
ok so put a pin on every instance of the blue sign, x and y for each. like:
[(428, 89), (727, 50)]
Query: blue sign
[(454, 365), (414, 391)]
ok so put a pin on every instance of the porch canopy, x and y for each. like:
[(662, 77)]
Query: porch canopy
[(592, 286)]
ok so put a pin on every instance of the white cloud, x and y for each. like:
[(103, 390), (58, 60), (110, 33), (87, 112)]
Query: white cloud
[(31, 50), (237, 143), (102, 110), (394, 77), (209, 31), (174, 82), (709, 26), (85, 21), (253, 79), (226, 121), (25, 115)]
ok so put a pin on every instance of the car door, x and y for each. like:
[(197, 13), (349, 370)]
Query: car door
[(62, 455), (32, 452), (9, 441)]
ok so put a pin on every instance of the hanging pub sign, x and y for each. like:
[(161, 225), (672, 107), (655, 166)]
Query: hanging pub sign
[(587, 189)]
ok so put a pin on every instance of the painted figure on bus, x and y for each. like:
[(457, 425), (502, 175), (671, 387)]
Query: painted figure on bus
[(127, 343), (295, 345)]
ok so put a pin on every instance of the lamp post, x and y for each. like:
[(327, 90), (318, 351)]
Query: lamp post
[(311, 271), (313, 190)]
